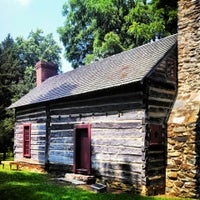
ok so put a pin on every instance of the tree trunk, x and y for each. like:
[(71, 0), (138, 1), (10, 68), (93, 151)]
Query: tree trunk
[(4, 155)]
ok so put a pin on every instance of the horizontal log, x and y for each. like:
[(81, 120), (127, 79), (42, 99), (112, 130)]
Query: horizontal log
[(157, 114), (118, 133), (161, 90), (36, 158), (67, 147), (115, 125), (100, 108), (125, 166), (122, 176), (43, 142), (32, 120), (62, 126), (155, 94), (159, 83), (162, 104), (117, 98), (40, 126), (64, 133), (61, 141), (38, 147), (129, 142), (116, 150), (60, 160), (117, 158), (123, 115), (37, 138), (155, 120), (31, 109), (41, 114), (38, 132)]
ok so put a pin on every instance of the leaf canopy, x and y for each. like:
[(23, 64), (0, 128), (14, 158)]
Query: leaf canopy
[(96, 29)]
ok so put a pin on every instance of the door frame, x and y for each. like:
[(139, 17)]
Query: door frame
[(79, 127)]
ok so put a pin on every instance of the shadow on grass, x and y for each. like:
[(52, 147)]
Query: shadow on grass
[(20, 185)]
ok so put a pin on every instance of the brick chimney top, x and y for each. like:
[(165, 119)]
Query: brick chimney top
[(45, 70)]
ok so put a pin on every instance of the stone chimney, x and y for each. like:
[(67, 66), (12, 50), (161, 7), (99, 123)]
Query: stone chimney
[(183, 137), (45, 70)]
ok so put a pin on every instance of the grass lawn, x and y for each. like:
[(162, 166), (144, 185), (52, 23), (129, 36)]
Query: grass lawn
[(23, 185)]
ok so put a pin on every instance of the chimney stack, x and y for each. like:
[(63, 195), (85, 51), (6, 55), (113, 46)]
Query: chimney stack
[(183, 154), (45, 70)]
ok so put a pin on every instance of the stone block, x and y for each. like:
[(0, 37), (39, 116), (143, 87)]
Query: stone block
[(191, 175), (186, 166), (177, 146), (178, 162), (172, 175), (179, 183), (181, 138), (98, 187), (169, 183), (179, 129), (190, 185), (174, 154)]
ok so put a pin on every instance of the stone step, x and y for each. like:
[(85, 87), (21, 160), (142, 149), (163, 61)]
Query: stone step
[(88, 179), (73, 181)]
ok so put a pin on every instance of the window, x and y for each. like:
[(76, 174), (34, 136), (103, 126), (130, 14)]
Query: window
[(27, 140)]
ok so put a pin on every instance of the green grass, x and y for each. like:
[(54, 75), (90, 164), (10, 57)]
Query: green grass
[(23, 185)]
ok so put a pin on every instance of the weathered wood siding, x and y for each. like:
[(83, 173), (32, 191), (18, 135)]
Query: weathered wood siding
[(117, 134), (37, 118), (117, 146), (161, 91)]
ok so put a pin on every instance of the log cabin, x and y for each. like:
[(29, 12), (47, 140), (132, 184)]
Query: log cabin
[(130, 119), (107, 119)]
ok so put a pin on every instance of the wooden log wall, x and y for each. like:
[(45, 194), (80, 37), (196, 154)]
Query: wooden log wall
[(161, 92), (117, 135), (37, 118)]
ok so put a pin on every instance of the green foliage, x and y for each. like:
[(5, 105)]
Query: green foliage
[(38, 47), (11, 73), (97, 29), (17, 66), (25, 84)]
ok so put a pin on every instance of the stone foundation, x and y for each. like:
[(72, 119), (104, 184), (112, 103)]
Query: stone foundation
[(59, 169), (31, 167)]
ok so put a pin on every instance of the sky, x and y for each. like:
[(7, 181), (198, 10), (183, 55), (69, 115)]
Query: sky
[(20, 17)]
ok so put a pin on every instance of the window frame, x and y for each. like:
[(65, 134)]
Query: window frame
[(27, 155)]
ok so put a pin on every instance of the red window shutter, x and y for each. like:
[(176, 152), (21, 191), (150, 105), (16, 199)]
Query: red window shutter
[(156, 137), (27, 140)]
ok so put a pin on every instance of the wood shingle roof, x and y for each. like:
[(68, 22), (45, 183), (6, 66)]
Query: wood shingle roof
[(124, 68)]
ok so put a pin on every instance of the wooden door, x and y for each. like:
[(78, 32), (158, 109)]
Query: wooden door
[(82, 142)]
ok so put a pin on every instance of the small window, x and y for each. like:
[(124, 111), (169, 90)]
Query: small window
[(27, 140)]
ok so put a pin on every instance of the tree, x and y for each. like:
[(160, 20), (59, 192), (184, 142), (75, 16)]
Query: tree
[(38, 47), (169, 14), (31, 50), (26, 84), (97, 29), (17, 77), (11, 73)]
